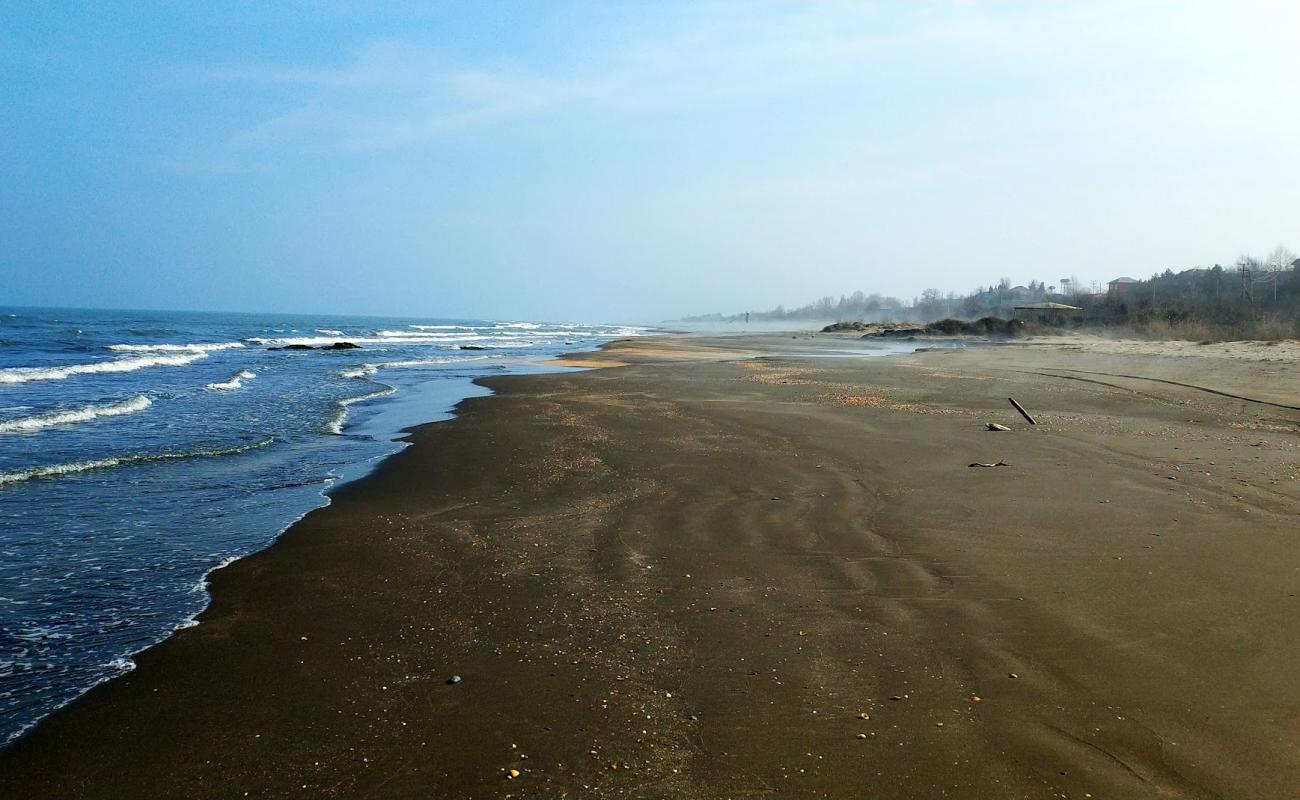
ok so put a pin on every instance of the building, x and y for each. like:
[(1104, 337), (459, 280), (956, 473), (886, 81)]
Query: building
[(1121, 286)]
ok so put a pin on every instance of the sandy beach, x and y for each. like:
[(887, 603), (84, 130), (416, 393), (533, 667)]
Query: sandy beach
[(753, 567)]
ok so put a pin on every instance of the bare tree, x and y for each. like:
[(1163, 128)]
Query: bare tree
[(1278, 261)]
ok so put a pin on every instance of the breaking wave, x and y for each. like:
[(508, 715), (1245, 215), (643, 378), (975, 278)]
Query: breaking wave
[(369, 370), (26, 374), (71, 416), (235, 382), (59, 470), (501, 336), (335, 425), (174, 348)]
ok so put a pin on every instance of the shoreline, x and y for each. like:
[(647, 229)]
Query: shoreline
[(393, 435), (697, 542)]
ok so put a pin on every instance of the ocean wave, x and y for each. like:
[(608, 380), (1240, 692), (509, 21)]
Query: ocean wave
[(329, 332), (335, 425), (236, 382), (369, 370), (59, 470), (175, 348), (26, 374), (430, 362), (503, 335), (363, 371), (407, 337), (405, 334), (121, 665), (202, 586), (42, 421)]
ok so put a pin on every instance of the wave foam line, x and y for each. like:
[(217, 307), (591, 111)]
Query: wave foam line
[(175, 348), (236, 382), (72, 416), (59, 470), (335, 426), (369, 370), (363, 371), (505, 339), (26, 374)]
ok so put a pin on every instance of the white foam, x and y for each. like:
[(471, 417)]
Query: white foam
[(175, 348), (503, 334), (444, 335), (429, 362), (236, 382), (202, 585), (504, 338), (335, 426), (72, 416), (363, 371), (369, 370), (122, 665), (329, 332), (318, 341), (59, 470), (26, 374)]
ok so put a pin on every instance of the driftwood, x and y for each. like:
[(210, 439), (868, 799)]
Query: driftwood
[(993, 426), (1022, 411)]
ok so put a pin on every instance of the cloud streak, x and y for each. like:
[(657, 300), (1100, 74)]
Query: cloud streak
[(398, 94)]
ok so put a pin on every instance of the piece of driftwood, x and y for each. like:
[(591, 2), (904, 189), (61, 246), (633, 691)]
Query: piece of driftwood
[(1022, 411), (999, 464), (993, 426)]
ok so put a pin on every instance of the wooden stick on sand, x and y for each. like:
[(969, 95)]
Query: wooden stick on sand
[(1022, 411)]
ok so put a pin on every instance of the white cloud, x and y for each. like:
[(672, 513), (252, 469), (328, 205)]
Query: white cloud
[(393, 94)]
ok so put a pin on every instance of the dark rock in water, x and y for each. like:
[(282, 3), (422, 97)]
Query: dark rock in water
[(472, 347), (293, 347), (342, 346)]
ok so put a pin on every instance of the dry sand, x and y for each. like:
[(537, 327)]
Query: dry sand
[(702, 575)]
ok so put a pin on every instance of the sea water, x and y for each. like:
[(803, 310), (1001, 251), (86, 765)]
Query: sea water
[(141, 450)]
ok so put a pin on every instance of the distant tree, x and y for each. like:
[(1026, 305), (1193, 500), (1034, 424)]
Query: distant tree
[(1252, 297), (1278, 262), (1280, 259)]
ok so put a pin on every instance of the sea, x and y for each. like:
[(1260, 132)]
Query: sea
[(140, 450)]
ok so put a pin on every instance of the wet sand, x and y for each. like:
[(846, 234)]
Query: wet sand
[(707, 575)]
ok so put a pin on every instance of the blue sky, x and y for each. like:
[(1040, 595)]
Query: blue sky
[(631, 162)]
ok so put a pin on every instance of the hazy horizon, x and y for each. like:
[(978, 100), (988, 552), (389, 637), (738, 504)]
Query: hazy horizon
[(631, 162)]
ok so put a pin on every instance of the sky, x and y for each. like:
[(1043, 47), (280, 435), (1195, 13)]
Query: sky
[(631, 162)]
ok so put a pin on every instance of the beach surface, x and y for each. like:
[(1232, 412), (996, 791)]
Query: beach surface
[(760, 567)]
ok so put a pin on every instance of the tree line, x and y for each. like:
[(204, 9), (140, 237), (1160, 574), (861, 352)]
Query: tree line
[(1252, 298)]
